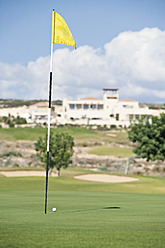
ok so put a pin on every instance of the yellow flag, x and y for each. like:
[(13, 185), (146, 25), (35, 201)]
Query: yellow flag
[(60, 31)]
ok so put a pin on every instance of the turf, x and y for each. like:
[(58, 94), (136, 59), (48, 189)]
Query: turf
[(13, 134), (88, 214), (80, 134), (111, 151)]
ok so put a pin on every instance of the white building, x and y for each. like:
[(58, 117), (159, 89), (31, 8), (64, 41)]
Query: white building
[(39, 112), (88, 111), (107, 111), (15, 111), (35, 113)]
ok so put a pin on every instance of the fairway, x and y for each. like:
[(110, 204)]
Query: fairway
[(79, 134), (111, 151), (89, 214)]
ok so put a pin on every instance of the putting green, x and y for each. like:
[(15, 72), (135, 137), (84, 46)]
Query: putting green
[(89, 214), (82, 219)]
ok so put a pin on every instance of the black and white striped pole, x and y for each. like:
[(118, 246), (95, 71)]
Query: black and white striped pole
[(62, 35), (49, 116)]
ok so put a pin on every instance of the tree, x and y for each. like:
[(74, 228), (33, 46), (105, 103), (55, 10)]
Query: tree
[(19, 120), (60, 150), (150, 137)]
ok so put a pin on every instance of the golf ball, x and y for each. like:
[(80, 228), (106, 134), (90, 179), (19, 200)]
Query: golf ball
[(54, 209)]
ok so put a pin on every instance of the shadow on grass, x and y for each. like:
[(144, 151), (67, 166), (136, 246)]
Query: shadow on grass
[(87, 210), (112, 208)]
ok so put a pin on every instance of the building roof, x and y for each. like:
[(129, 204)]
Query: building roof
[(91, 98), (127, 100)]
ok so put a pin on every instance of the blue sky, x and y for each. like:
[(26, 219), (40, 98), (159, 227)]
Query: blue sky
[(25, 28)]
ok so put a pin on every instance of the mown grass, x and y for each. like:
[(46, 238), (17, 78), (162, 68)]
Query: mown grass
[(118, 136), (67, 183), (89, 214), (13, 134), (111, 151), (83, 219), (81, 135)]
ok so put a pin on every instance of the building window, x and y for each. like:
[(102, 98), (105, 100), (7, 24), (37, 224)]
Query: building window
[(43, 117), (78, 106), (111, 97), (85, 106), (117, 117), (96, 118), (127, 106), (131, 117), (93, 106), (100, 106), (72, 106)]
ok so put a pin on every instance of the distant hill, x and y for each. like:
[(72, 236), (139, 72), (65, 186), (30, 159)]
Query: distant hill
[(9, 103), (153, 105)]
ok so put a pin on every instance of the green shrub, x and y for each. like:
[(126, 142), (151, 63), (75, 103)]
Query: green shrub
[(11, 124), (10, 153)]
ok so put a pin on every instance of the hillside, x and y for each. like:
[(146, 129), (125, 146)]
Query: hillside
[(9, 103), (98, 150)]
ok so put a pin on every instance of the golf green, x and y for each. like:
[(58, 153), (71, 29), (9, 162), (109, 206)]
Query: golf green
[(84, 217)]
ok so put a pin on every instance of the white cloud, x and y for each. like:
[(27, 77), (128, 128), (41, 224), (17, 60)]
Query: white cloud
[(134, 62)]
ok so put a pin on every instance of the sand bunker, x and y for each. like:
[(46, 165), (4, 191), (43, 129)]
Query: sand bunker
[(89, 177), (106, 178), (24, 173)]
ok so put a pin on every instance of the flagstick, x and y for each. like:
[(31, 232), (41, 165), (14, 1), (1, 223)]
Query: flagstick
[(65, 34), (49, 114)]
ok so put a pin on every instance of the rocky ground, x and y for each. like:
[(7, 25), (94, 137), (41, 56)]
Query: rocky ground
[(18, 154), (23, 154)]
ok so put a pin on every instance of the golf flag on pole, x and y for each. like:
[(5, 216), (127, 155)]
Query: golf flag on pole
[(60, 31), (62, 35)]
